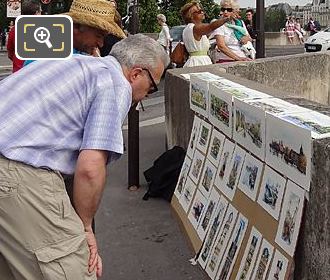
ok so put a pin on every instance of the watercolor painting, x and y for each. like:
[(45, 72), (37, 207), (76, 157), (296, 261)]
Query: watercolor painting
[(197, 209), (193, 136), (288, 150), (215, 225), (271, 192), (196, 166), (207, 217), (221, 109), (216, 144), (221, 242), (250, 255), (199, 92), (279, 266), (249, 127), (182, 177), (317, 123), (207, 178), (187, 194), (225, 158), (276, 106), (290, 220), (250, 176), (232, 250), (204, 136), (263, 260), (233, 173)]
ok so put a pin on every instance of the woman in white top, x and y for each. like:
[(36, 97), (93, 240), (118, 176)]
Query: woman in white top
[(164, 35), (195, 34), (228, 46)]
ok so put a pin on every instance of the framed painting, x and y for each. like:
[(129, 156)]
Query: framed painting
[(263, 261), (207, 178), (271, 192), (216, 145), (278, 267), (182, 177), (249, 180), (250, 127), (290, 220), (197, 209), (289, 150), (193, 136)]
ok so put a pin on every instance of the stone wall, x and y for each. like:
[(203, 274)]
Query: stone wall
[(312, 259)]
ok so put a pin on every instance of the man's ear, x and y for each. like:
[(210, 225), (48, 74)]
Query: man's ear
[(134, 74)]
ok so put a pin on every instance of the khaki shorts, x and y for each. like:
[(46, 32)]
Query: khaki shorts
[(41, 236)]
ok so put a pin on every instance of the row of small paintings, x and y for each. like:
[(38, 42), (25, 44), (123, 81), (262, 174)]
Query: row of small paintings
[(287, 147), (212, 97)]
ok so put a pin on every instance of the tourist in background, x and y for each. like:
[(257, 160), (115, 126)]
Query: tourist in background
[(195, 34), (313, 26), (228, 47), (29, 7), (250, 23), (299, 31), (290, 29), (164, 36)]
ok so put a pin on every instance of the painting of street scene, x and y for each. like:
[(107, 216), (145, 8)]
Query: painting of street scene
[(204, 136), (232, 250), (263, 261), (221, 107), (205, 222), (279, 267), (271, 192), (250, 255), (198, 96), (196, 166), (226, 155), (216, 144), (216, 223), (250, 176), (288, 150), (249, 127), (197, 209), (207, 179), (182, 177), (193, 136), (187, 194), (289, 225), (233, 172), (291, 157), (317, 123)]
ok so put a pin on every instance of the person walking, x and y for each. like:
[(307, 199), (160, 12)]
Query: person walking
[(250, 23), (65, 117), (164, 36), (195, 34), (29, 7)]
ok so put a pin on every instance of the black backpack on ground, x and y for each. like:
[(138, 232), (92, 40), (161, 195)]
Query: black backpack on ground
[(163, 175)]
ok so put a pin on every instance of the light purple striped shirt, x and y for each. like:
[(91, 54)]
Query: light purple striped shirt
[(50, 110)]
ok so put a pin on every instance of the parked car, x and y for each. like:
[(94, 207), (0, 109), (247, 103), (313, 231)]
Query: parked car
[(319, 41)]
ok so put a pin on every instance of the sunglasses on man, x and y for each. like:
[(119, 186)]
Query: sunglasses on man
[(229, 10)]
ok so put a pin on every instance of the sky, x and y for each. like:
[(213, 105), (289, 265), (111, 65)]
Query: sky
[(252, 3)]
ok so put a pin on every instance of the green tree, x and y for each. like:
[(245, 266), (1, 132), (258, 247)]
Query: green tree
[(148, 10), (274, 20)]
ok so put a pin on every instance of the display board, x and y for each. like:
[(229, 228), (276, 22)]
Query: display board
[(241, 199)]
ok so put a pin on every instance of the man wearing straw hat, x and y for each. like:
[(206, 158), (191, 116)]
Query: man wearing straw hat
[(65, 118)]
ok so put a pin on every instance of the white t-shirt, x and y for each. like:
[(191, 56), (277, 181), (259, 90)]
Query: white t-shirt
[(230, 40)]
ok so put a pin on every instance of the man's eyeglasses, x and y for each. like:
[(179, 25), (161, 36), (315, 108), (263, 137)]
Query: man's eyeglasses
[(154, 85), (229, 10)]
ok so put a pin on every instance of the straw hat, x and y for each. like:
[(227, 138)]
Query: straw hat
[(95, 13)]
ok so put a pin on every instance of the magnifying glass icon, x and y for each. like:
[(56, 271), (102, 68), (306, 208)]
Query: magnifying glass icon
[(41, 35)]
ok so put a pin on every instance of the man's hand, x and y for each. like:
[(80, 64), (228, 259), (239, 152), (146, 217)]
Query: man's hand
[(95, 260)]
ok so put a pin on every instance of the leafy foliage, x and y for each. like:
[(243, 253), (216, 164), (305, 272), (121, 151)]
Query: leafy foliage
[(274, 20)]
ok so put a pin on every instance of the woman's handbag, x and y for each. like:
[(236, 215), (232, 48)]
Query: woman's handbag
[(179, 55)]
